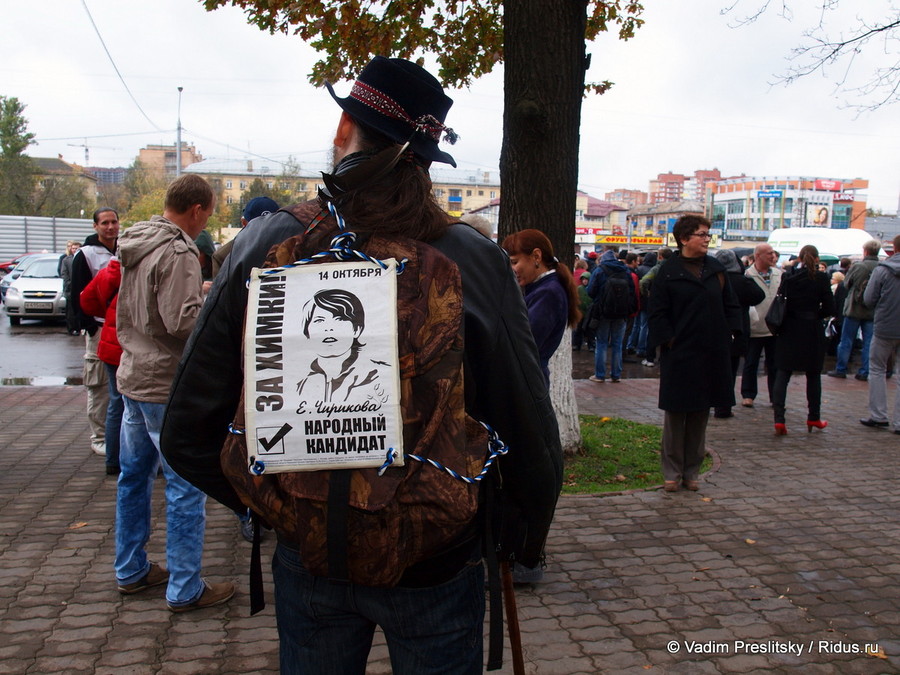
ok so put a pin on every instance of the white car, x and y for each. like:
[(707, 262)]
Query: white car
[(38, 291)]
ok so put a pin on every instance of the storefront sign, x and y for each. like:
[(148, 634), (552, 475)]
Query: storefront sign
[(829, 185), (616, 239)]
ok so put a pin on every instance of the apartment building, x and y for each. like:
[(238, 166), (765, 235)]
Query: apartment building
[(163, 159), (460, 191), (49, 169), (748, 208), (457, 191), (108, 175), (230, 178), (675, 187), (655, 221), (627, 198)]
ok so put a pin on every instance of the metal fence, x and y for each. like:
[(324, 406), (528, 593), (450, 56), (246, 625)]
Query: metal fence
[(32, 234)]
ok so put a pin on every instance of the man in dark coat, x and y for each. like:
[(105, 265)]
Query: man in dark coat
[(693, 317)]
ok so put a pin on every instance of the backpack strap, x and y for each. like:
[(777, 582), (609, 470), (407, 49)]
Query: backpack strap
[(495, 602), (257, 592), (338, 511)]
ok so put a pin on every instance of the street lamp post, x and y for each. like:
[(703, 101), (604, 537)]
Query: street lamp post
[(178, 138)]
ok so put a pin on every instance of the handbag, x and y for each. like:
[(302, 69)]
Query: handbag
[(775, 315)]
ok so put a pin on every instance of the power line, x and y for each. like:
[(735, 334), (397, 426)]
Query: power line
[(121, 79), (240, 150), (132, 133)]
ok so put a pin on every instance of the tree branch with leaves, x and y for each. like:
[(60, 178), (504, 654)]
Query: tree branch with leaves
[(542, 46), (17, 177)]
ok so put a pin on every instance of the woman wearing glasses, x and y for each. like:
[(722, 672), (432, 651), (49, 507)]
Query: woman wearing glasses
[(693, 317)]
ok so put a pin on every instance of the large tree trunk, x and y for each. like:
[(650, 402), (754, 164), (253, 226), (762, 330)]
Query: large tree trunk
[(562, 394), (544, 65)]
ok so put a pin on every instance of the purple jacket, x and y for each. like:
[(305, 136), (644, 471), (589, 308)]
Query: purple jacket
[(548, 313)]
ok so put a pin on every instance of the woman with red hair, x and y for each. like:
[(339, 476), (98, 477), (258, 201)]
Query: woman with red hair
[(551, 294)]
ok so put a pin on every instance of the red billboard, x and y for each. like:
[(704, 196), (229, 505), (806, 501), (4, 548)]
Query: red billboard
[(829, 185)]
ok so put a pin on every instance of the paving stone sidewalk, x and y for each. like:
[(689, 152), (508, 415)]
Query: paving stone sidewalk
[(792, 543)]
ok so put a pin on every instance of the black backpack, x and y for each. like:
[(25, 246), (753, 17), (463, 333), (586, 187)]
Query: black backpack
[(618, 299)]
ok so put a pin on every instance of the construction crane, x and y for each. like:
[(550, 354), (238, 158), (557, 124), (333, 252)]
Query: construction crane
[(87, 160)]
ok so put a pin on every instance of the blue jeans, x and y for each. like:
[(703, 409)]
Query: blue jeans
[(848, 335), (139, 458), (638, 339), (113, 417), (609, 332), (326, 628)]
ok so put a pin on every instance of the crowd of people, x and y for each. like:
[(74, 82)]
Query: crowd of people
[(705, 315), (166, 264), (163, 312)]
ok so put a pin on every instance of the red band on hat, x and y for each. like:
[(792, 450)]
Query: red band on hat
[(384, 104)]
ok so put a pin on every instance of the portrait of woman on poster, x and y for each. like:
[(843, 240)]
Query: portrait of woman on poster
[(821, 219), (333, 321)]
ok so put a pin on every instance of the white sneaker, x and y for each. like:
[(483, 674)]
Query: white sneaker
[(649, 364), (594, 378), (99, 448)]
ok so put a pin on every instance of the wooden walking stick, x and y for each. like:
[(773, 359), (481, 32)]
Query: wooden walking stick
[(512, 619)]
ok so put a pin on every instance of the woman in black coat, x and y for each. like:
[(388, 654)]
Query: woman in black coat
[(748, 294), (800, 344), (693, 315), (840, 296)]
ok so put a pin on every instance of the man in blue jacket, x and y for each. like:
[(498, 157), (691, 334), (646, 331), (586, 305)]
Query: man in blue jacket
[(610, 330)]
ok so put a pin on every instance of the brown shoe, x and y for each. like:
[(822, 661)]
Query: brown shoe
[(213, 594), (747, 403), (691, 485), (155, 577), (670, 486)]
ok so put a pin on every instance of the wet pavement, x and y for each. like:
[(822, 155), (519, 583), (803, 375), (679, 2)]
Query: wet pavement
[(39, 353), (787, 560)]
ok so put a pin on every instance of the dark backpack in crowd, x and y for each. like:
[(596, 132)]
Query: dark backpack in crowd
[(356, 525), (618, 298)]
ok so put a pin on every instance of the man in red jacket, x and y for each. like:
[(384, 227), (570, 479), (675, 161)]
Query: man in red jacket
[(99, 299)]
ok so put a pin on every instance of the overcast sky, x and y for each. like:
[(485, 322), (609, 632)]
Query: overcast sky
[(692, 92)]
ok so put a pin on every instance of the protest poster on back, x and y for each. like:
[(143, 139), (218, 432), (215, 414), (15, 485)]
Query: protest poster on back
[(321, 377)]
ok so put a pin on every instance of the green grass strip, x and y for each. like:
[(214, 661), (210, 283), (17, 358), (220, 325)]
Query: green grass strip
[(616, 455)]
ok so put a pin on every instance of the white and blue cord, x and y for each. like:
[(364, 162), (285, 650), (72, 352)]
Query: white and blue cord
[(496, 445), (341, 249), (497, 449)]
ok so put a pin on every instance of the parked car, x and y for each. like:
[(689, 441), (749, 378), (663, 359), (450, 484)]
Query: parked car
[(9, 265), (37, 293), (21, 264)]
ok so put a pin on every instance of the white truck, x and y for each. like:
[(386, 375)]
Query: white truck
[(833, 244)]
